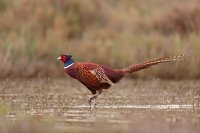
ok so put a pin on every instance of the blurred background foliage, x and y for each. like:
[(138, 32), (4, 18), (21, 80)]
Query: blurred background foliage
[(116, 33)]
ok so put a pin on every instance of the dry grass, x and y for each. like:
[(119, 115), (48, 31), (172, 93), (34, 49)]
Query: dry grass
[(183, 20), (115, 33)]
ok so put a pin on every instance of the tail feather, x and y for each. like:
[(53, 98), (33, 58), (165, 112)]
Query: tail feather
[(147, 64)]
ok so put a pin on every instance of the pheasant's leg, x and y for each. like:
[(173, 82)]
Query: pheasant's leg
[(91, 98), (95, 96)]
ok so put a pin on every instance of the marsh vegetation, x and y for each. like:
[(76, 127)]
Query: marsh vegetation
[(114, 33)]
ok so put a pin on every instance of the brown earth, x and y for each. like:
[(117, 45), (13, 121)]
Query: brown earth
[(60, 105)]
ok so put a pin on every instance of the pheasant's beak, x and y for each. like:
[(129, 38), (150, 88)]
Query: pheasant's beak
[(59, 58)]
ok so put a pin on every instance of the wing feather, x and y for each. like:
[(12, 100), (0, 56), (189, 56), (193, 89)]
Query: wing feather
[(101, 76)]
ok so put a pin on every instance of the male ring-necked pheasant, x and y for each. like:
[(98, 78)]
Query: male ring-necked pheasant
[(98, 77)]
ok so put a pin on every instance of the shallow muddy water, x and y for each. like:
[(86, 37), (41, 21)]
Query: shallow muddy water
[(131, 105)]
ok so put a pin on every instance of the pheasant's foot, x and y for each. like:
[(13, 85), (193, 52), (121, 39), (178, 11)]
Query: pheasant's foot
[(92, 102), (91, 99)]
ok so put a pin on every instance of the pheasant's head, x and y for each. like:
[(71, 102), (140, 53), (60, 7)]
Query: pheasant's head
[(64, 58)]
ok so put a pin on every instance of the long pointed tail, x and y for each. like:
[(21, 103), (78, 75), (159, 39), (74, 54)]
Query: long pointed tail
[(147, 64)]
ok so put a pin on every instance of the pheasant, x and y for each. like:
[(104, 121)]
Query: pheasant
[(97, 77)]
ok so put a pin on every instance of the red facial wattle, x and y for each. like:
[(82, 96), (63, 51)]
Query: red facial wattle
[(63, 58)]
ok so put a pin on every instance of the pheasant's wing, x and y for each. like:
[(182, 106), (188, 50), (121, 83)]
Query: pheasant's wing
[(101, 75), (92, 76)]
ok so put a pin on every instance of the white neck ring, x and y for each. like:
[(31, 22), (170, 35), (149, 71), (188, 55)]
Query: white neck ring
[(68, 66)]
